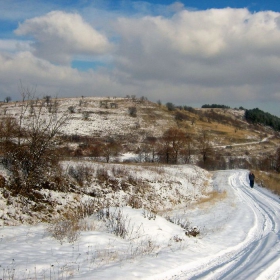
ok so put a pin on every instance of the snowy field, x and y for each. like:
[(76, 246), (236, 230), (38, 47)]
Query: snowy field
[(239, 239)]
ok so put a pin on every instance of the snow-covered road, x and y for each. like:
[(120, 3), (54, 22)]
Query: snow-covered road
[(257, 254), (239, 239)]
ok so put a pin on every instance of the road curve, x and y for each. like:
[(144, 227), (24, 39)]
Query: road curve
[(258, 255)]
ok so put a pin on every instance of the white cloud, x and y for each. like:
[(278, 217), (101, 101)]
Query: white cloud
[(207, 48), (228, 56), (59, 36), (53, 79), (14, 45)]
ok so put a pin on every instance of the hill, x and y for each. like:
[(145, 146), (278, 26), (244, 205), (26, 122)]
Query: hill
[(136, 124), (38, 136)]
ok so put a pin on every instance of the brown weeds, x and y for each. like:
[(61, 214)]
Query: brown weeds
[(269, 180)]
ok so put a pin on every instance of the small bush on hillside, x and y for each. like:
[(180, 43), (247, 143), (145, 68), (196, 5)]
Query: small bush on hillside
[(170, 106), (189, 231), (81, 173), (116, 222), (102, 174), (71, 109), (149, 214), (85, 115), (135, 202), (132, 111), (179, 116), (192, 232), (69, 225), (67, 228)]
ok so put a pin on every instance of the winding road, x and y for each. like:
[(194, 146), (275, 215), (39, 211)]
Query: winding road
[(257, 256)]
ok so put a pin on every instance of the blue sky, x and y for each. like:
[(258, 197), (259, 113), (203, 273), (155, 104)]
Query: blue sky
[(185, 52)]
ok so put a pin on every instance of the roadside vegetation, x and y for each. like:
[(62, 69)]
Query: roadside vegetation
[(269, 180)]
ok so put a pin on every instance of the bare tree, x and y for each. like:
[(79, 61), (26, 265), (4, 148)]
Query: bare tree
[(31, 159), (7, 99), (152, 147), (110, 148), (188, 149), (47, 99), (204, 145), (173, 141)]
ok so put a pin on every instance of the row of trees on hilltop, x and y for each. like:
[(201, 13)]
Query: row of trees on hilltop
[(257, 116), (215, 106)]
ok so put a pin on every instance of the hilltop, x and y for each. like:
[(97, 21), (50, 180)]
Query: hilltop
[(133, 123)]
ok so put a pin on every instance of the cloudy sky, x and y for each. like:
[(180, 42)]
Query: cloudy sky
[(186, 52)]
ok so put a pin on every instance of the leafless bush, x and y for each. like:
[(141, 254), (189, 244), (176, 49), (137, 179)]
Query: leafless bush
[(71, 109), (102, 174), (192, 232), (132, 111), (135, 202), (30, 155), (176, 238), (116, 222), (145, 247), (81, 173), (70, 224), (66, 227), (149, 214), (85, 115), (183, 223), (120, 171)]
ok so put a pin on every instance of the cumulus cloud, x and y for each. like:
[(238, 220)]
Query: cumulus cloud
[(210, 48), (228, 56), (14, 45), (59, 36), (60, 80)]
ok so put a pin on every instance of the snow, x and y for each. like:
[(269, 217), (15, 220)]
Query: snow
[(239, 239)]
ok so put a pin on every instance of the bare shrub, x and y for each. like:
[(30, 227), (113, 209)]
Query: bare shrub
[(135, 202), (85, 115), (71, 109), (149, 214), (116, 222), (81, 173), (66, 227), (132, 111), (183, 223), (192, 232), (102, 174), (30, 155), (2, 181), (120, 171), (69, 225), (269, 180)]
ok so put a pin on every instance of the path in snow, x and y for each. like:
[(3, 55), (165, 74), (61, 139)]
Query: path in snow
[(258, 255)]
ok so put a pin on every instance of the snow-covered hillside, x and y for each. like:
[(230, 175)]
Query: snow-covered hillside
[(97, 116), (156, 188), (239, 239)]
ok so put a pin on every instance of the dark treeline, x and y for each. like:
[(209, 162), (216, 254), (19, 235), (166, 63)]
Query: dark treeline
[(258, 116), (215, 106)]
